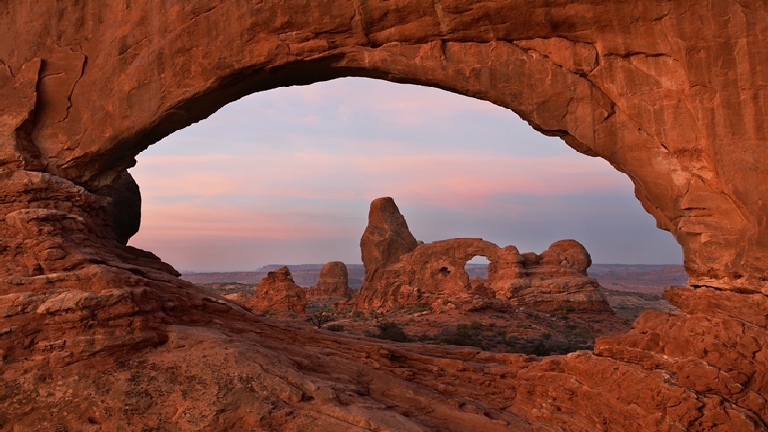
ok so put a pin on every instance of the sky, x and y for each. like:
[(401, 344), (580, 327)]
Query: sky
[(286, 176)]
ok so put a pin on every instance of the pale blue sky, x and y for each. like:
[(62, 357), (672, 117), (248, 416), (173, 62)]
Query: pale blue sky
[(286, 176)]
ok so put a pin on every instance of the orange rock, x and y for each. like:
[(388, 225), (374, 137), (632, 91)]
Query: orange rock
[(333, 283), (434, 274), (278, 292), (386, 237), (670, 93)]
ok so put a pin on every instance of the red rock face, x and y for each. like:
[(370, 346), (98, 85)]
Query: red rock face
[(386, 237), (670, 93), (434, 274), (278, 292), (333, 283)]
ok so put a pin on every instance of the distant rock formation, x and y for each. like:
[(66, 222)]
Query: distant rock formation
[(555, 280), (333, 283), (400, 272), (386, 238), (278, 292)]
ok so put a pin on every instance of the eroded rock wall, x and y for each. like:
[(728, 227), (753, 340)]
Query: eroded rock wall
[(672, 93), (434, 273)]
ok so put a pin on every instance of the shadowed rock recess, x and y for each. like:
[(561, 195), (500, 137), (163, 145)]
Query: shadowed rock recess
[(96, 335)]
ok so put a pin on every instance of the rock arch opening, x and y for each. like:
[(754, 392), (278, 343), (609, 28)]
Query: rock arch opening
[(477, 267), (670, 93), (285, 176)]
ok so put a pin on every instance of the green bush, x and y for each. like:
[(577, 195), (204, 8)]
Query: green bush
[(464, 335), (336, 327), (391, 331)]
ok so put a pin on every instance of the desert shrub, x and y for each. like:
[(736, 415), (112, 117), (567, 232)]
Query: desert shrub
[(476, 325), (391, 331), (563, 309), (425, 337), (575, 332), (336, 327), (542, 346), (321, 318), (540, 349), (463, 335), (358, 315)]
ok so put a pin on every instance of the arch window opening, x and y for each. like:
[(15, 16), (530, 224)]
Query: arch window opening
[(477, 267), (285, 176)]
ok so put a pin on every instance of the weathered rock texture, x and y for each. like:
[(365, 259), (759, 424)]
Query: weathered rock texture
[(333, 283), (434, 273), (672, 93), (386, 237), (278, 292)]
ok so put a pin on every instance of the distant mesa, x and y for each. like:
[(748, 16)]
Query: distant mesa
[(399, 271), (278, 292)]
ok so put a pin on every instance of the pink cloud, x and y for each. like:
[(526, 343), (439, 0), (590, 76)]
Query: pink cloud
[(274, 170), (203, 218), (324, 175)]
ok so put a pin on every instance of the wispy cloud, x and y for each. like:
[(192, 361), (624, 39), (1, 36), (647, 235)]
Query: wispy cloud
[(298, 166)]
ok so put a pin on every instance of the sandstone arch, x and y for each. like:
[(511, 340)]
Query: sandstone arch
[(401, 272), (670, 93), (647, 87)]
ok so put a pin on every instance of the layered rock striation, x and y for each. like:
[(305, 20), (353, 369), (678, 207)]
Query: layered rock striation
[(434, 273), (671, 93)]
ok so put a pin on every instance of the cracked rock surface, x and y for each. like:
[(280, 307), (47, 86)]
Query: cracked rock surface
[(96, 335)]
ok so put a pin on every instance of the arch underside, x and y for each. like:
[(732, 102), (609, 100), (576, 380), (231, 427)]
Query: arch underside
[(641, 95), (670, 93)]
